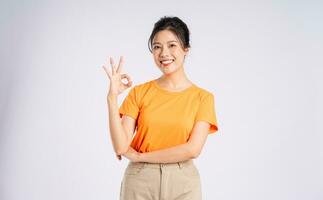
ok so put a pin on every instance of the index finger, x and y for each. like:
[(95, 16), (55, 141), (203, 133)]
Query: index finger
[(121, 61)]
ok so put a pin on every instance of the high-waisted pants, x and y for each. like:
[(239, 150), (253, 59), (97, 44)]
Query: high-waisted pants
[(161, 181)]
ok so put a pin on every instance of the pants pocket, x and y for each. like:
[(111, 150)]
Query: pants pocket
[(190, 171), (131, 170)]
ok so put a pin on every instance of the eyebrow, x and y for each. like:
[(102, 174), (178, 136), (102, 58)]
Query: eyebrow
[(167, 42)]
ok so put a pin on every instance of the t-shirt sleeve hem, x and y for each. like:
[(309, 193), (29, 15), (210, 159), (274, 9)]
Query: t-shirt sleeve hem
[(213, 128), (133, 115)]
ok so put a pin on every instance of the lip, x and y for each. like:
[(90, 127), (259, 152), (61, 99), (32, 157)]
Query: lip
[(167, 59), (165, 65)]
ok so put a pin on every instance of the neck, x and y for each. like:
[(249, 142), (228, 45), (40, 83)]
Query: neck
[(176, 79)]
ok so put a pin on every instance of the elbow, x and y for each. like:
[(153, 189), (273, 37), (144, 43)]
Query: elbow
[(122, 148), (195, 152), (121, 151)]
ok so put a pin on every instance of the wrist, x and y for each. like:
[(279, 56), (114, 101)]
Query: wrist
[(112, 97)]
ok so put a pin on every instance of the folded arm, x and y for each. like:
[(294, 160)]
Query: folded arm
[(182, 152)]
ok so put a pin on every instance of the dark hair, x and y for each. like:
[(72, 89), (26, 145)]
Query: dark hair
[(174, 24)]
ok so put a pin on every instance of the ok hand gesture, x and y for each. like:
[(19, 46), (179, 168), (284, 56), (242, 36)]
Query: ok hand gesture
[(115, 76)]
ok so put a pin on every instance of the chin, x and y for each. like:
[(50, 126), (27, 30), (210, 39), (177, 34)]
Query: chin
[(166, 72)]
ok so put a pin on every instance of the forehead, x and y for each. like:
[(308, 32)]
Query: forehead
[(165, 36)]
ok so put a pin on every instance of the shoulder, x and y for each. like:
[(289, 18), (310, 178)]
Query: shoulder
[(203, 93), (142, 86), (140, 89)]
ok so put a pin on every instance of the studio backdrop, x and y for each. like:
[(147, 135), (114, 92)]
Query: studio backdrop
[(262, 60)]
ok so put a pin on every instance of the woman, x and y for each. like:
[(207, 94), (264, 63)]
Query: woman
[(171, 116)]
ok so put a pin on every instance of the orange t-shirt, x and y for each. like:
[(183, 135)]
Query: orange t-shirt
[(164, 118)]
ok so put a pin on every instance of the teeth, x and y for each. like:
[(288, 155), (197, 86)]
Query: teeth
[(167, 61)]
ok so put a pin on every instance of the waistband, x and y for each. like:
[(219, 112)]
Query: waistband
[(161, 165)]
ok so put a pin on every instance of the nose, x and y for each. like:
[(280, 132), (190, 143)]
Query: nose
[(164, 52)]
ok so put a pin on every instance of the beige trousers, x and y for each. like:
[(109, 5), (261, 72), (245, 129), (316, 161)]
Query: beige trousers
[(160, 181)]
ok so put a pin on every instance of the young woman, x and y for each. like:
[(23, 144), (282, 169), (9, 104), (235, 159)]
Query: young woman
[(171, 116)]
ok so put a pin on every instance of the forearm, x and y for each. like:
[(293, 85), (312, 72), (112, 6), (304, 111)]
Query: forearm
[(117, 132), (177, 153)]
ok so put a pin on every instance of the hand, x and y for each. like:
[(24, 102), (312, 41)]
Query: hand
[(132, 155), (118, 156), (115, 76)]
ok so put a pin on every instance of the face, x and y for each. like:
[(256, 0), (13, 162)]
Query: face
[(167, 52)]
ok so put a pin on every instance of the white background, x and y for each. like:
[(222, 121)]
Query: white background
[(261, 59)]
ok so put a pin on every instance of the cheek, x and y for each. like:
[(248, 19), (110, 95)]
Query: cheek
[(179, 54), (179, 58), (155, 58), (157, 61)]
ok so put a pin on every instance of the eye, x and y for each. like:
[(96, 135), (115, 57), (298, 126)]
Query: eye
[(155, 47), (172, 45)]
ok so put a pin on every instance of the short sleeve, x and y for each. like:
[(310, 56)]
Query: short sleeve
[(206, 112), (129, 105)]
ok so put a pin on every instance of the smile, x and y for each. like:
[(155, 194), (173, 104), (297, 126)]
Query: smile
[(166, 62)]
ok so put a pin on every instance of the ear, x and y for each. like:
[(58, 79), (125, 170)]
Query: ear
[(186, 50)]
